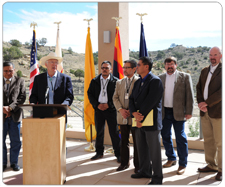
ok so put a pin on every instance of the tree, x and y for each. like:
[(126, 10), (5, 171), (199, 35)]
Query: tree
[(19, 73), (72, 71), (16, 43), (43, 41), (11, 53), (79, 73), (160, 55), (95, 58), (70, 50), (173, 45)]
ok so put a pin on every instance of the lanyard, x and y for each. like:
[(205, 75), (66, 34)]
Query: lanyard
[(104, 86), (128, 88)]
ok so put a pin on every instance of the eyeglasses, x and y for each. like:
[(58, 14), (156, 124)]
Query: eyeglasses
[(106, 68), (53, 62), (126, 67), (6, 71)]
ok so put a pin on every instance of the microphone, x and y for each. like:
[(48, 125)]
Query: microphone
[(46, 95)]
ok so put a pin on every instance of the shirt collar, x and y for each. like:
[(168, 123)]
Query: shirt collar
[(143, 80), (131, 77), (213, 68), (7, 79), (101, 77), (55, 75)]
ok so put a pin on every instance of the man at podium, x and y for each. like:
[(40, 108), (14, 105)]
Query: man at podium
[(52, 87)]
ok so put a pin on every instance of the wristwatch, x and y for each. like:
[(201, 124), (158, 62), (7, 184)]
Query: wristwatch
[(10, 108)]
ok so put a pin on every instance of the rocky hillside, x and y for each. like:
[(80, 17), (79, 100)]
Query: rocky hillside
[(190, 60)]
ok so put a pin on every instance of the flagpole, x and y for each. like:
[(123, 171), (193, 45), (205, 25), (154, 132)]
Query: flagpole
[(91, 146)]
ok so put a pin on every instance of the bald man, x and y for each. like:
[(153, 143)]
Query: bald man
[(209, 97)]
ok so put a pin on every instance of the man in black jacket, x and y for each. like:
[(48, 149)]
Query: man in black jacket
[(100, 94), (145, 98)]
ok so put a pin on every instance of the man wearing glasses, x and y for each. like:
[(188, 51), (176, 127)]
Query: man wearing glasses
[(14, 93), (100, 94), (121, 101)]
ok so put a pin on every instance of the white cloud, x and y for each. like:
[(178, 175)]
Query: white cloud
[(175, 21), (164, 22), (73, 29)]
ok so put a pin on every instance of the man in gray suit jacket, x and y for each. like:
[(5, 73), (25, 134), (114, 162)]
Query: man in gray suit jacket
[(121, 96), (14, 93), (177, 106)]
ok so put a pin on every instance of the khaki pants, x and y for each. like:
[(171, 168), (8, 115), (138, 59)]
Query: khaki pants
[(212, 132)]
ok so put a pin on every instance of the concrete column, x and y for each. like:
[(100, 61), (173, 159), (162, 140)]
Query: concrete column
[(105, 23)]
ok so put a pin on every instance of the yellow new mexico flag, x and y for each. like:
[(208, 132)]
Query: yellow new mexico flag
[(88, 76)]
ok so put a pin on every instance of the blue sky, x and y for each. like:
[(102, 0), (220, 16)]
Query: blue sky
[(190, 24)]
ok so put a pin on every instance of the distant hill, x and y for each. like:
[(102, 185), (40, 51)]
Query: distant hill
[(190, 60)]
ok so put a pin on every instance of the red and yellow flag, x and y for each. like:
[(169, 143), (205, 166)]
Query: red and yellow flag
[(89, 74), (118, 60)]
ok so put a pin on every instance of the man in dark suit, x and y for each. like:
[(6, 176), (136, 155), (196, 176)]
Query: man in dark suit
[(59, 84), (14, 93), (146, 96), (100, 94), (209, 97)]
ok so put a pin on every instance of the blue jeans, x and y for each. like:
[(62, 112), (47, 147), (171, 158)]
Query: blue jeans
[(181, 138), (13, 128)]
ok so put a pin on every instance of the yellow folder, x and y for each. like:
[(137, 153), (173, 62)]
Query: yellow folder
[(147, 122)]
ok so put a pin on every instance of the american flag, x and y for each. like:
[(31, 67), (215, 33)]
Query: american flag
[(34, 70)]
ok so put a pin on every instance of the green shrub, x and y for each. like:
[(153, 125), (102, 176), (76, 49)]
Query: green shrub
[(79, 73), (19, 73), (160, 54), (11, 53), (194, 130), (185, 66), (195, 62), (70, 50), (15, 43)]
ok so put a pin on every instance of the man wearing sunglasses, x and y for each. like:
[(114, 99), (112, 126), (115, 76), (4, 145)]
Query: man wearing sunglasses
[(14, 93), (100, 94)]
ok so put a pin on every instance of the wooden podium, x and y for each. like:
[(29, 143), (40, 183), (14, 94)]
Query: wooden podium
[(44, 150)]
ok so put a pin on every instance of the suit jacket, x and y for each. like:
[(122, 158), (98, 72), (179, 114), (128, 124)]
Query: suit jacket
[(63, 90), (146, 98), (119, 97), (16, 96), (183, 95), (214, 100), (95, 89)]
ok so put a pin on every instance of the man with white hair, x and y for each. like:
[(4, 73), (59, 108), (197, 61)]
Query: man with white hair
[(209, 97), (59, 84)]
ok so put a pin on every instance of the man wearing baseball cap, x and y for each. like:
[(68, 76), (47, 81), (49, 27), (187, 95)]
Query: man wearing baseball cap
[(59, 84)]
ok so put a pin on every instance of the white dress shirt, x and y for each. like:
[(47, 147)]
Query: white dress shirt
[(169, 89), (103, 97), (211, 71)]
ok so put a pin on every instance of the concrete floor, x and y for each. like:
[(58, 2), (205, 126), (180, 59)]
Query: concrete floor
[(82, 171)]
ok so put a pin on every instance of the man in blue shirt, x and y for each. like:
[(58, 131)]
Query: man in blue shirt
[(59, 84), (146, 97)]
